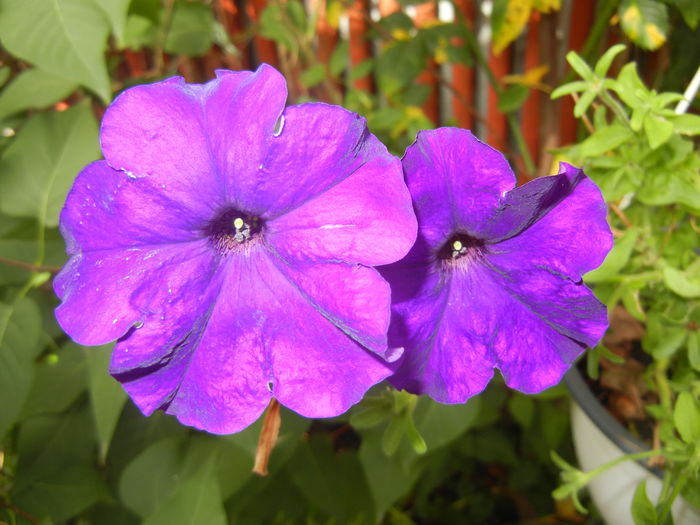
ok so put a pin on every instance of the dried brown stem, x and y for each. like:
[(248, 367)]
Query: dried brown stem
[(268, 437)]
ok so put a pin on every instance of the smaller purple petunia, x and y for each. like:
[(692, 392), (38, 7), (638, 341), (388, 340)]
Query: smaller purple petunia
[(229, 245), (494, 279)]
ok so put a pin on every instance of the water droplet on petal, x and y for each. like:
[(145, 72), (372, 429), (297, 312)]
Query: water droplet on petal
[(115, 320), (279, 125), (130, 176)]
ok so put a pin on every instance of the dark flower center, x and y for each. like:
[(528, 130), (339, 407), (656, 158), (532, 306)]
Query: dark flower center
[(234, 230), (460, 249)]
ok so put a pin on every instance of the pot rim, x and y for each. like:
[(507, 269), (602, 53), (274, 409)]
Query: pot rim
[(611, 427)]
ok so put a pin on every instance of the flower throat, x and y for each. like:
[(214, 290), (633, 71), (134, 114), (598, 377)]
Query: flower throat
[(234, 231)]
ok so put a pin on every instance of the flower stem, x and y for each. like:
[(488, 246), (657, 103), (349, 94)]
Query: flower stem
[(268, 437)]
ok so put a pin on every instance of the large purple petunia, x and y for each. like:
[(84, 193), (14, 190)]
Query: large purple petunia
[(228, 243), (494, 279)]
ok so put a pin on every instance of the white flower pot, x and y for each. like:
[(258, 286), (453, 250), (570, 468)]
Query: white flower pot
[(599, 439)]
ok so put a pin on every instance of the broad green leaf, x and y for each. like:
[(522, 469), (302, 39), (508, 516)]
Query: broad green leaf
[(56, 474), (196, 500), (605, 140), (680, 283), (690, 9), (191, 30), (20, 326), (516, 16), (645, 22), (686, 417), (332, 481), (64, 37), (441, 424), (150, 479), (58, 381), (616, 259), (107, 397), (39, 166), (34, 89), (658, 130), (643, 511), (116, 11)]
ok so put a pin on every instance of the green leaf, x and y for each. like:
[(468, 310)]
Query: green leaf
[(690, 9), (645, 22), (34, 89), (116, 11), (522, 409), (5, 73), (196, 500), (313, 76), (616, 259), (567, 89), (579, 65), (694, 350), (58, 381), (56, 475), (107, 397), (686, 416), (393, 433), (687, 124), (332, 481), (64, 37), (680, 283), (603, 64), (643, 511), (414, 437), (191, 31), (658, 130), (20, 326), (512, 98), (140, 32), (605, 140), (147, 481), (583, 103), (40, 164), (339, 59)]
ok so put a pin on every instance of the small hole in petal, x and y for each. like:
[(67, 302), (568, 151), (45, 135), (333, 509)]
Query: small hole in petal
[(270, 385), (279, 125)]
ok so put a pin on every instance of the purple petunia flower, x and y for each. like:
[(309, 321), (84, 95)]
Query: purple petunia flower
[(494, 279), (229, 244)]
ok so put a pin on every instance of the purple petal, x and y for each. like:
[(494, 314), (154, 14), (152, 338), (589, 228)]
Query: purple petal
[(105, 209), (262, 339), (354, 298), (105, 292), (571, 238), (241, 110), (318, 146), (366, 218), (530, 325), (156, 131), (547, 322), (456, 182)]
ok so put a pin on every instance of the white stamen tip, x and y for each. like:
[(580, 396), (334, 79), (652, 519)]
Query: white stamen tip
[(238, 223), (457, 245)]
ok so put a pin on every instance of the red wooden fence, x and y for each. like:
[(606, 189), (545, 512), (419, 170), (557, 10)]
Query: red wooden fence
[(469, 101)]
